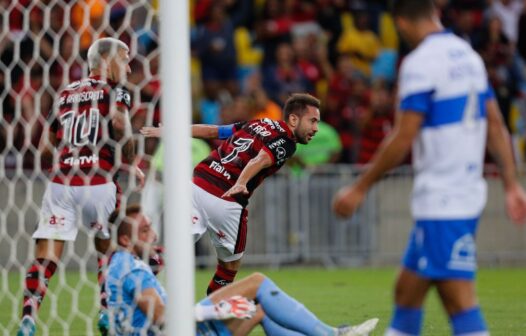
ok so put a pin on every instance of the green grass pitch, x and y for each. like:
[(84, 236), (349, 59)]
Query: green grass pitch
[(336, 296)]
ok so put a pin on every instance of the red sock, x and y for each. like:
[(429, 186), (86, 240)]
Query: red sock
[(36, 284), (102, 265), (221, 278)]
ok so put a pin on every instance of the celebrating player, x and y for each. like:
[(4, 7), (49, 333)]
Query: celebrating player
[(136, 299), (88, 127), (448, 112), (224, 181)]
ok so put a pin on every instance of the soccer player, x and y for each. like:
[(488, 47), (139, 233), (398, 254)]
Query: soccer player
[(224, 181), (447, 112), (86, 134), (136, 299)]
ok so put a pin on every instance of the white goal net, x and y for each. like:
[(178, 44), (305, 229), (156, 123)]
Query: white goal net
[(43, 47)]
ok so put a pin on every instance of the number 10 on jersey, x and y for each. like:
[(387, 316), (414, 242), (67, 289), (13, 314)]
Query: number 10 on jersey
[(82, 129)]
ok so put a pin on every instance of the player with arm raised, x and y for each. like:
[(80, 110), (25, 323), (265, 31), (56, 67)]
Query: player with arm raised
[(447, 113), (224, 181), (87, 139)]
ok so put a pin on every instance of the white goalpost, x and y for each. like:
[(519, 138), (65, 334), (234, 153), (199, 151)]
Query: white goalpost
[(176, 115)]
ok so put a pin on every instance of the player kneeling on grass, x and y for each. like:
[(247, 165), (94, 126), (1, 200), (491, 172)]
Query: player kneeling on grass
[(137, 300)]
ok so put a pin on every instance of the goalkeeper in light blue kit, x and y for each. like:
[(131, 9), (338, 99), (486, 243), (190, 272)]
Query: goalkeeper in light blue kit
[(447, 113), (136, 299)]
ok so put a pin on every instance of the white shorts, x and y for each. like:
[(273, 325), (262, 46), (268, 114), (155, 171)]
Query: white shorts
[(65, 208), (225, 222)]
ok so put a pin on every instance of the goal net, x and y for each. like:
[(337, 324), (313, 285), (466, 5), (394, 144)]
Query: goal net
[(43, 47)]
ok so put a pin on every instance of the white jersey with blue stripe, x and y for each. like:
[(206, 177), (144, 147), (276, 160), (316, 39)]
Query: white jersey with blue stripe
[(446, 81)]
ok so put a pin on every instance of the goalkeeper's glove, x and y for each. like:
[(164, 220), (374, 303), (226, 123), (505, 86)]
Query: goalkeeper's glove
[(237, 307)]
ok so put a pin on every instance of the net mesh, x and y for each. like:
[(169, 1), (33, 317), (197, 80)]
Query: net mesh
[(43, 47)]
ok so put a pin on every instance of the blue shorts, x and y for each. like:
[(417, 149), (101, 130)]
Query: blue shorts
[(211, 328), (443, 249)]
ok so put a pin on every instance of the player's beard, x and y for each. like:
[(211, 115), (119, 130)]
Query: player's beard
[(302, 137)]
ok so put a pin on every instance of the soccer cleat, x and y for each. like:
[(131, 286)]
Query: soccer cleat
[(104, 322), (27, 327), (358, 330)]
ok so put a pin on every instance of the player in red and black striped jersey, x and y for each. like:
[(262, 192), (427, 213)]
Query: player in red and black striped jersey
[(84, 131), (219, 172), (87, 140), (224, 181)]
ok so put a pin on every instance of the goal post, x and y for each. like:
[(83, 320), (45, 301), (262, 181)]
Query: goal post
[(176, 112), (43, 47)]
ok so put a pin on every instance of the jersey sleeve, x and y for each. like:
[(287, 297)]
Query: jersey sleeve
[(416, 86), (122, 97), (237, 126), (490, 93), (280, 149)]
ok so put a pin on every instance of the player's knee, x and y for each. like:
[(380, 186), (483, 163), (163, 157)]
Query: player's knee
[(457, 296), (257, 277), (405, 296), (455, 305)]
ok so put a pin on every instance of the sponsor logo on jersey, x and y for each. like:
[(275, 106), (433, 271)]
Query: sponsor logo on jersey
[(72, 161), (217, 167), (276, 143), (281, 153)]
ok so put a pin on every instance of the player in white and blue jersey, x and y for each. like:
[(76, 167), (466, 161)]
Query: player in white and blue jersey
[(448, 114)]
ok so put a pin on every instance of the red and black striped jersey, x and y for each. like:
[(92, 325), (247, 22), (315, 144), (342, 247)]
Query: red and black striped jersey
[(82, 123), (220, 170)]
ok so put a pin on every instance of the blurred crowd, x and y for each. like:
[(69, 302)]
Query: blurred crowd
[(247, 57)]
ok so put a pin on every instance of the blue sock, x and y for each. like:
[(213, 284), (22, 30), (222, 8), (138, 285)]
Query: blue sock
[(468, 321), (272, 328), (289, 313), (407, 320)]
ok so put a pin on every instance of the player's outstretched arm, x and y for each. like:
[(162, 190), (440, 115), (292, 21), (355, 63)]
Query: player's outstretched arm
[(390, 153), (151, 132), (500, 149), (200, 131), (253, 167)]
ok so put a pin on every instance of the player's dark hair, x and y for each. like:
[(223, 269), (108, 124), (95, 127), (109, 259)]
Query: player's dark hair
[(297, 104), (120, 221), (412, 9)]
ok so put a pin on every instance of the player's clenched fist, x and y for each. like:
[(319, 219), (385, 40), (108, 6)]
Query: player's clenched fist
[(237, 307), (347, 200)]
